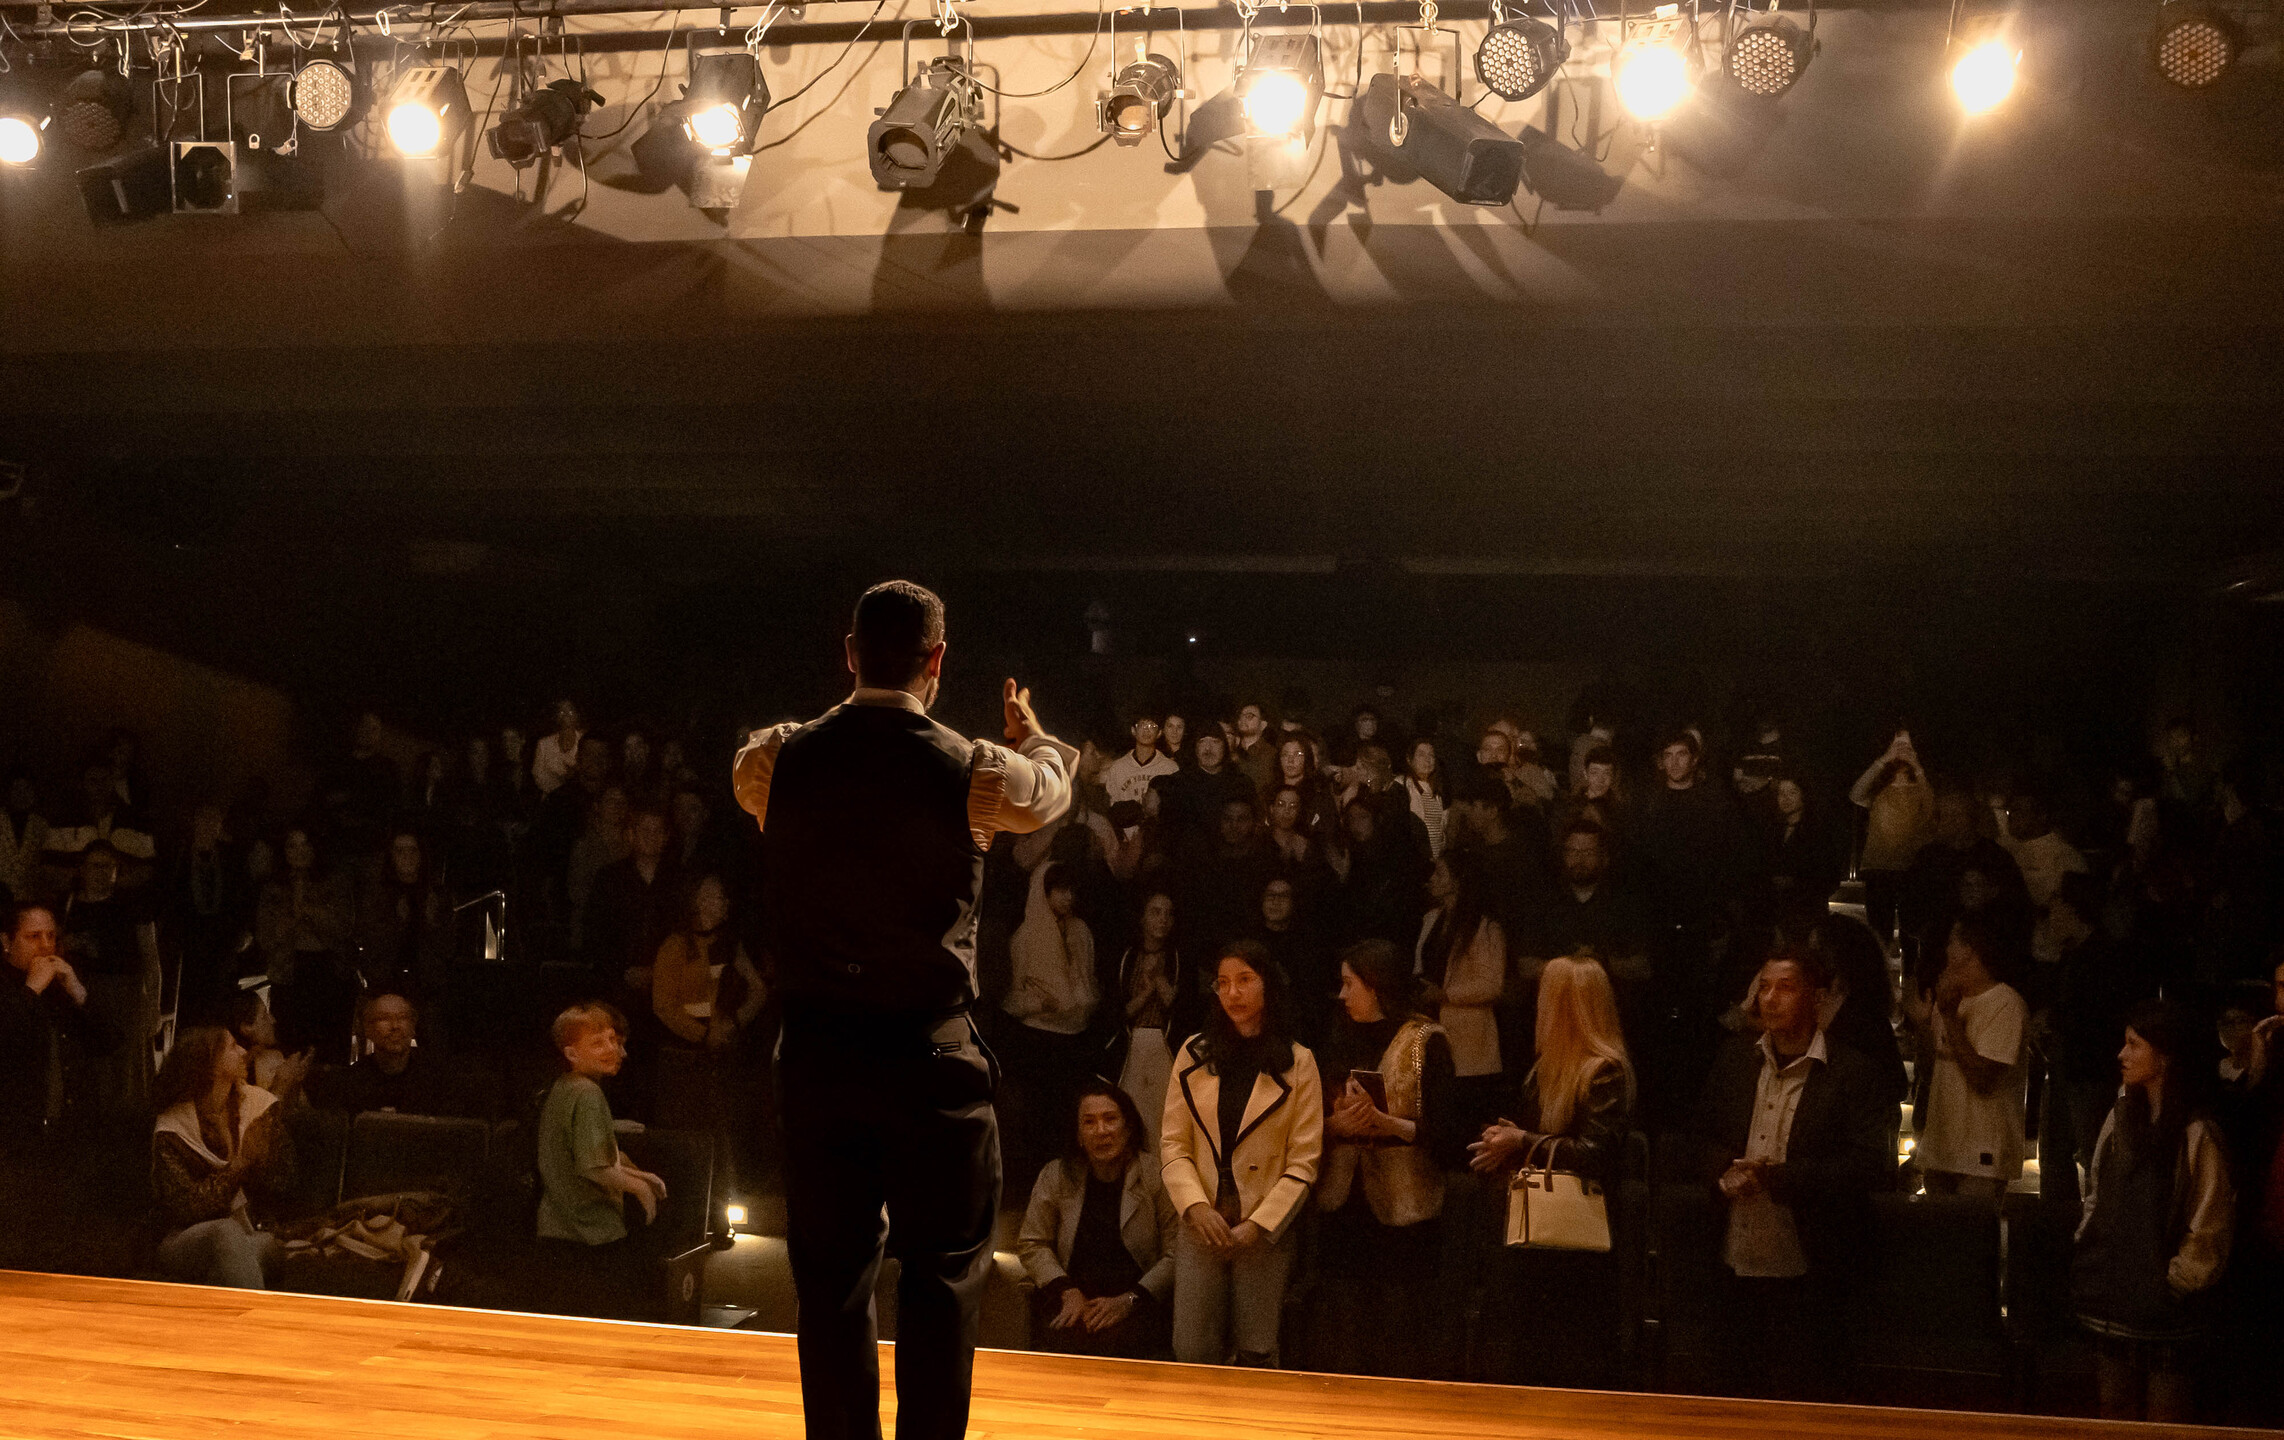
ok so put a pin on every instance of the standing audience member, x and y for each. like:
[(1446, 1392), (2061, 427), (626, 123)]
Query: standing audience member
[(219, 1144), (1423, 792), (2098, 983), (707, 994), (1575, 1105), (1791, 1134), (301, 925), (1243, 1134), (1386, 1074), (1899, 810), (1129, 776), (49, 1033), (403, 927), (1160, 1010), (1256, 753), (633, 904), (1052, 998), (597, 1267), (557, 753), (1971, 1138), (23, 835), (210, 910), (2028, 833), (113, 944), (1461, 959), (2159, 1213), (102, 816), (1098, 1237)]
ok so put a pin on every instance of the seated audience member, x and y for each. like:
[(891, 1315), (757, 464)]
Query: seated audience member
[(48, 1032), (598, 1268), (1128, 777), (2159, 1212), (218, 1146), (1461, 959), (301, 925), (1971, 1138), (707, 994), (398, 1074), (1381, 1191), (268, 1067), (1098, 1238), (113, 944), (1791, 1135), (1241, 1140), (1575, 1105)]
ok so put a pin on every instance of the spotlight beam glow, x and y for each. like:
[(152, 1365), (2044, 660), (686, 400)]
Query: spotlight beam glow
[(717, 127), (1275, 103), (1652, 80), (1984, 76), (415, 130), (19, 141)]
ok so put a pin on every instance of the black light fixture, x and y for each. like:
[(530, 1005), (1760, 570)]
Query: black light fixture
[(1143, 91), (428, 112), (921, 126), (328, 94), (205, 177), (1767, 52), (1280, 89), (1519, 56), (2194, 44), (93, 110), (547, 118), (1411, 125), (132, 186), (727, 97)]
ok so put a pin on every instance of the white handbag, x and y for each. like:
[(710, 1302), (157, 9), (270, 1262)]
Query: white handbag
[(1550, 1209)]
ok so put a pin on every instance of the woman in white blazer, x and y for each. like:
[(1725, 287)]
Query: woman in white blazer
[(1243, 1131), (1098, 1239)]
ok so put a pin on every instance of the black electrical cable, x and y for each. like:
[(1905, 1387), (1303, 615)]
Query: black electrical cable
[(827, 107), (776, 105), (665, 56), (1093, 39), (1014, 149)]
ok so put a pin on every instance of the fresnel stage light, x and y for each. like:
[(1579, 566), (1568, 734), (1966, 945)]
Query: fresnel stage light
[(428, 112), (547, 118)]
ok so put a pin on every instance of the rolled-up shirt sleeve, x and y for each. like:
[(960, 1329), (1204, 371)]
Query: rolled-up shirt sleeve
[(750, 773), (1018, 791)]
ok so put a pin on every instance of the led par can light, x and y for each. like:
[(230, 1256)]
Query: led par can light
[(93, 110), (1411, 125), (1519, 57), (327, 96), (2194, 45), (428, 112), (1652, 71), (1139, 97), (1767, 56)]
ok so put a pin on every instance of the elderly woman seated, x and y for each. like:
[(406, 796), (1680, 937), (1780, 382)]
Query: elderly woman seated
[(1098, 1238)]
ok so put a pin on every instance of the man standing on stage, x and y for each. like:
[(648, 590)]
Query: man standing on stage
[(875, 820)]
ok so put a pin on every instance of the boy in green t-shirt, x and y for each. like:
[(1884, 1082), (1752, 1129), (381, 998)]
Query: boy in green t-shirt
[(584, 1180)]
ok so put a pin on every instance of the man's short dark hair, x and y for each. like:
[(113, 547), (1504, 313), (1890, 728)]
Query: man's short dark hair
[(896, 624), (1814, 966), (1585, 825)]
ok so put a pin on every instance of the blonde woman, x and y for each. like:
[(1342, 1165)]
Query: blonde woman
[(1579, 1096)]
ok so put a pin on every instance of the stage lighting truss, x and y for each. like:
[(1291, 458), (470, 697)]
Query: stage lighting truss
[(428, 114), (542, 122), (1763, 52), (93, 110), (2194, 45), (1657, 65), (328, 94), (1519, 54), (1281, 87), (1143, 90), (727, 95), (1984, 58), (926, 120)]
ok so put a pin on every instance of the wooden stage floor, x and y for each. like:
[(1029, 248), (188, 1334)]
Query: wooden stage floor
[(124, 1358)]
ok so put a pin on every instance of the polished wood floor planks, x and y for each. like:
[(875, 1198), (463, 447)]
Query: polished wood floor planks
[(125, 1359)]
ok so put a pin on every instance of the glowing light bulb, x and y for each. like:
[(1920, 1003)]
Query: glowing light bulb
[(1274, 103), (1984, 76), (19, 142), (1652, 79), (415, 130), (717, 127), (734, 1214)]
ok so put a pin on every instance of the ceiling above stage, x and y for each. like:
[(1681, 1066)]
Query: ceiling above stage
[(1864, 337)]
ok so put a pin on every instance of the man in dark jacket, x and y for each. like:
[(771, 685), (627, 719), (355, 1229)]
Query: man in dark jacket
[(1791, 1133)]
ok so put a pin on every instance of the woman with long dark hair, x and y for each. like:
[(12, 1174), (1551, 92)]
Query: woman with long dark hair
[(1387, 1079), (705, 991), (1158, 999), (1098, 1237), (1423, 791), (2159, 1213), (301, 926), (1242, 1135), (218, 1144), (1461, 959)]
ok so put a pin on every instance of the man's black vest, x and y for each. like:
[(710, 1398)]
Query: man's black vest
[(871, 868)]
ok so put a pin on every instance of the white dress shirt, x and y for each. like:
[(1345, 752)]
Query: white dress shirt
[(1763, 1242)]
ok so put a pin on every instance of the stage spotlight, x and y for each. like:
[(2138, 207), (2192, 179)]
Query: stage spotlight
[(1518, 57), (1652, 69), (1282, 86), (20, 133), (2194, 45), (93, 110), (547, 118), (908, 144), (728, 96), (1766, 57), (1409, 124), (428, 112), (204, 178), (733, 1216), (133, 186), (1983, 76), (327, 96), (1140, 95)]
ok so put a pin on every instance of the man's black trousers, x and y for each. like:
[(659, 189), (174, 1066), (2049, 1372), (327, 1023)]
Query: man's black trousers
[(894, 1113)]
